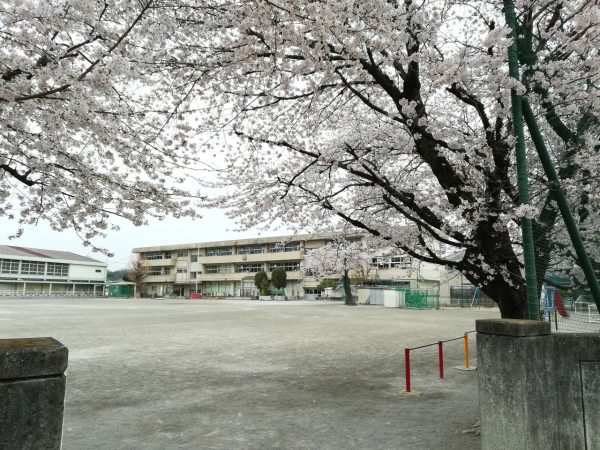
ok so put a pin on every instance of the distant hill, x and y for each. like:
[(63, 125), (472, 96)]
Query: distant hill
[(115, 275)]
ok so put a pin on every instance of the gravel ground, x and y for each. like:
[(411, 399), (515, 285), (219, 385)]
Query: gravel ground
[(235, 374)]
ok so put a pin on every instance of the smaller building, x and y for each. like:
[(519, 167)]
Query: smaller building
[(40, 272), (121, 289)]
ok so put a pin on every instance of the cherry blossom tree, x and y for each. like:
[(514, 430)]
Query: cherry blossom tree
[(338, 259), (89, 124), (394, 117), (389, 116)]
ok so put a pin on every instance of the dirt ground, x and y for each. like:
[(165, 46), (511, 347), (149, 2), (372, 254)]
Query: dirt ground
[(235, 374)]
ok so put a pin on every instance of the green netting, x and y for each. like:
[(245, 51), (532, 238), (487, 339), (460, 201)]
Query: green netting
[(121, 290), (553, 244), (420, 298), (469, 297)]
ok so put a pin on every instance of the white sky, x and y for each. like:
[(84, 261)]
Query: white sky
[(213, 226)]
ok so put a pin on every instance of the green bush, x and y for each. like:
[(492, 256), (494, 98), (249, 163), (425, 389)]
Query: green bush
[(265, 287), (259, 278), (279, 278), (327, 283)]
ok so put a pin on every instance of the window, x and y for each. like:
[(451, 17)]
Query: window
[(33, 268), (310, 272), (159, 270), (98, 270), (287, 266), (153, 255), (182, 253), (220, 251), (181, 270), (194, 258), (217, 269), (167, 255), (9, 266), (311, 291), (380, 262), (193, 275), (155, 271), (401, 262), (249, 249), (57, 269), (252, 268), (284, 247)]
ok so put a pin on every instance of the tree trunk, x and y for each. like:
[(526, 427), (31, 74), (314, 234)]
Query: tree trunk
[(348, 300), (508, 290), (511, 300)]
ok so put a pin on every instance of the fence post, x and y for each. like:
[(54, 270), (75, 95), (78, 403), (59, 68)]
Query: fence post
[(32, 393), (466, 338), (407, 368), (441, 357)]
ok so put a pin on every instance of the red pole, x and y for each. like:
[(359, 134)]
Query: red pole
[(441, 356), (407, 368)]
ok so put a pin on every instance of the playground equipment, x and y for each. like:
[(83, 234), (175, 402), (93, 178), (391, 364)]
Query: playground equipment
[(553, 305), (440, 345)]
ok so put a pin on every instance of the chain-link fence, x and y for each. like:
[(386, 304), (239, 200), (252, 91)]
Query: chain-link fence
[(420, 298), (569, 311)]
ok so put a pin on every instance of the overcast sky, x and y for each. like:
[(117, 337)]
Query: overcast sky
[(213, 226)]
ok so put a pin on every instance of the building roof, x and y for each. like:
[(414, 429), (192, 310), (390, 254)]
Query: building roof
[(250, 241), (16, 251)]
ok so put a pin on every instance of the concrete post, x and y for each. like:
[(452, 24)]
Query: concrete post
[(537, 390), (32, 392)]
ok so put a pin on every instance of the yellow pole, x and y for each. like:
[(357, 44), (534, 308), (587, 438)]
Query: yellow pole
[(466, 339)]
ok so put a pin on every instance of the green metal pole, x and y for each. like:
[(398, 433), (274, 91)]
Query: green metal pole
[(561, 199), (533, 307)]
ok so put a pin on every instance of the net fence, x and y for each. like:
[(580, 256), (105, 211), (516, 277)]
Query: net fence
[(565, 298), (569, 311), (420, 298)]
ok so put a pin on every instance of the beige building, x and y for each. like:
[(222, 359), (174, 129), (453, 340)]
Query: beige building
[(227, 268)]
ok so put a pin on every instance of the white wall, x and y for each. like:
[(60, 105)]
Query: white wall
[(85, 272)]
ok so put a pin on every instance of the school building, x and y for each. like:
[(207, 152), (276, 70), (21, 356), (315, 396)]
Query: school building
[(39, 272), (227, 268)]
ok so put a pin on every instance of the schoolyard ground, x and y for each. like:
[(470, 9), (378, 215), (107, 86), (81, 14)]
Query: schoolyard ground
[(240, 374)]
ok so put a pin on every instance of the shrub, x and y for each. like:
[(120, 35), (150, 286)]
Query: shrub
[(279, 278)]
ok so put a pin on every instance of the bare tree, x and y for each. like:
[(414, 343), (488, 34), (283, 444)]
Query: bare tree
[(137, 274)]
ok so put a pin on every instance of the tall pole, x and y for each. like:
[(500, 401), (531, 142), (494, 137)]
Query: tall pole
[(533, 308), (560, 198)]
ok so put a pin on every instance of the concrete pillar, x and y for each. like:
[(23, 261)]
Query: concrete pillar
[(32, 392), (24, 287), (73, 289), (537, 390)]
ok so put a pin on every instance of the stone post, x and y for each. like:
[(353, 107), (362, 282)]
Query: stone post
[(537, 390), (32, 393)]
